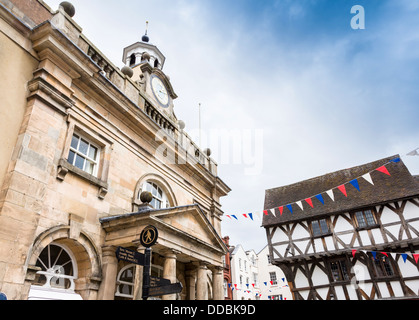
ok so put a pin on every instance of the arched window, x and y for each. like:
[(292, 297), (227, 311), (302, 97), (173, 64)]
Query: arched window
[(156, 63), (125, 283), (160, 200), (132, 60), (55, 280), (57, 268)]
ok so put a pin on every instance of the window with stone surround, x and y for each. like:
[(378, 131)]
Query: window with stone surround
[(84, 154)]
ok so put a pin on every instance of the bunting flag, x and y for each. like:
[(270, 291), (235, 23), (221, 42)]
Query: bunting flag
[(330, 194), (355, 184), (300, 204), (383, 169), (281, 210), (368, 178), (273, 212), (310, 203), (320, 197), (342, 188)]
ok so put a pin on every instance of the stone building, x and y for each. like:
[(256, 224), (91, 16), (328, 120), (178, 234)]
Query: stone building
[(81, 140)]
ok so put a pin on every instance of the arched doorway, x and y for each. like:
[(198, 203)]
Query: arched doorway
[(67, 268)]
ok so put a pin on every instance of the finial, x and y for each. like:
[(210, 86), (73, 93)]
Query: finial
[(145, 38)]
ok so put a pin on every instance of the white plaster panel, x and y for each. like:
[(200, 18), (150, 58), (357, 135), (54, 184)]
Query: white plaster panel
[(365, 238), (407, 269), (300, 233), (366, 287), (279, 236), (378, 237), (413, 285), (300, 280), (281, 249), (411, 211), (346, 238), (342, 225), (394, 230), (318, 244), (389, 216), (340, 293), (302, 245), (329, 243), (384, 290), (415, 225), (322, 292), (361, 272), (397, 289), (319, 277), (304, 294), (352, 293)]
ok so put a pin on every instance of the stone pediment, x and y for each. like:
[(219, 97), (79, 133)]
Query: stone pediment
[(185, 229)]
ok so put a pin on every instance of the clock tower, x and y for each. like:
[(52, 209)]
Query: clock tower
[(146, 62)]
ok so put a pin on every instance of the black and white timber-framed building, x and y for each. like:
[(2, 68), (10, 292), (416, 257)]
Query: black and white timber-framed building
[(361, 246)]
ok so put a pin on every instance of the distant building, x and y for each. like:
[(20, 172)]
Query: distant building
[(272, 282), (253, 277), (244, 274), (348, 235)]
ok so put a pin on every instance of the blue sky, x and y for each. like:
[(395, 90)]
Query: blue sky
[(324, 96)]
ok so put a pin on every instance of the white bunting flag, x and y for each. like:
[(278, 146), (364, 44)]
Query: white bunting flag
[(368, 178), (331, 195), (273, 212), (300, 205)]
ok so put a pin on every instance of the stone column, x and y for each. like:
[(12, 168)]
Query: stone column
[(109, 273), (217, 283), (169, 271), (190, 284), (201, 286)]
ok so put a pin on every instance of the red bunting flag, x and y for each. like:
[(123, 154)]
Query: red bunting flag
[(353, 253), (383, 169), (228, 216), (245, 215), (281, 210), (272, 283), (310, 202), (416, 256), (343, 190), (266, 212), (385, 253)]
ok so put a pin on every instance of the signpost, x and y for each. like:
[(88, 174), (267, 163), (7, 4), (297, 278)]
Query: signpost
[(152, 286)]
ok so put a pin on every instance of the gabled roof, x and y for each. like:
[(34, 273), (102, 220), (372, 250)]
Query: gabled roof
[(401, 184)]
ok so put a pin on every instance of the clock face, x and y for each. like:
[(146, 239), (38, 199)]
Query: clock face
[(160, 91)]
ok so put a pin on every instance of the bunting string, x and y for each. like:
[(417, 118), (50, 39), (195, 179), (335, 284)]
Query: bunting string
[(404, 255), (269, 284), (291, 207)]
